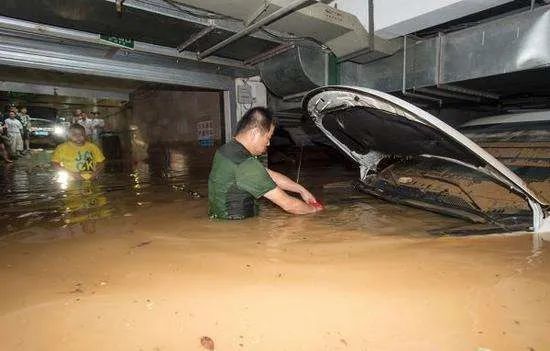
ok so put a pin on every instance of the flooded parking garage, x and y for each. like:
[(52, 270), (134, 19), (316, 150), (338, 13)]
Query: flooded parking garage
[(432, 172), (133, 262)]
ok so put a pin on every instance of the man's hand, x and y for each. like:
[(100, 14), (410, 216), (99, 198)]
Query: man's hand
[(317, 205), (307, 197)]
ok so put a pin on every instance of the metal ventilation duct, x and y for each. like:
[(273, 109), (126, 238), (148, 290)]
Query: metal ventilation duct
[(511, 44), (340, 31), (297, 70)]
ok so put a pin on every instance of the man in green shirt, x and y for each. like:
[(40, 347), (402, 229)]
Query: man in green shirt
[(238, 179)]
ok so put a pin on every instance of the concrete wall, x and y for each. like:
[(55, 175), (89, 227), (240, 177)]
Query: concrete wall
[(172, 116)]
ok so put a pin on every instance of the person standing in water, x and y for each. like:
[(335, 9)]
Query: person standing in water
[(4, 143), (14, 129), (82, 159), (238, 179), (25, 120)]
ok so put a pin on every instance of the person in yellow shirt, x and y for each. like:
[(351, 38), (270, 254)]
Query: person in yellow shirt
[(81, 159)]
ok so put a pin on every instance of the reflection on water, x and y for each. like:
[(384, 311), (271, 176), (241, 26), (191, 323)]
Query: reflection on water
[(34, 193)]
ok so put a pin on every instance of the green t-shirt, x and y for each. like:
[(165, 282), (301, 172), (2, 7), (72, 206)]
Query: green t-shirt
[(236, 181)]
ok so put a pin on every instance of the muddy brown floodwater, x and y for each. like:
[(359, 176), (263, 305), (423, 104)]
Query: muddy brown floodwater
[(133, 263)]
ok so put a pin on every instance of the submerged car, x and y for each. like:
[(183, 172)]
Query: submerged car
[(46, 132), (408, 156)]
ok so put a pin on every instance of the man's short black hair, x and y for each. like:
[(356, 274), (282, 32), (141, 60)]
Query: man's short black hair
[(79, 127), (256, 117)]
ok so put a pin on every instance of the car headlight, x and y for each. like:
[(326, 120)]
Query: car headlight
[(57, 130)]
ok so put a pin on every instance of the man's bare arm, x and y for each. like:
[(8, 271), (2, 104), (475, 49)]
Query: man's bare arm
[(288, 184), (289, 203)]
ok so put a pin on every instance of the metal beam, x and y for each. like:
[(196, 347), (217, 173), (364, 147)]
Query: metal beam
[(293, 6), (64, 105), (193, 38), (54, 90), (371, 24), (74, 59), (20, 26), (257, 13)]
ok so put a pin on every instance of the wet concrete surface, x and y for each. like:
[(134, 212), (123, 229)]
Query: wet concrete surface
[(133, 263)]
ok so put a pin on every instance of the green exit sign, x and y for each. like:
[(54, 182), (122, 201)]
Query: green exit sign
[(124, 42)]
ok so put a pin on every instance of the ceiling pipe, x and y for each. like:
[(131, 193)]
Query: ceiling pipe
[(371, 24), (256, 14), (280, 13), (370, 48)]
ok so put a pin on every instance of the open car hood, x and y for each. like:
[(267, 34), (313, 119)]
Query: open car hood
[(369, 125)]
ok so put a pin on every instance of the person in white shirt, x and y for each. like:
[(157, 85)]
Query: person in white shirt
[(92, 126), (26, 122), (14, 129), (87, 123), (77, 115), (97, 127)]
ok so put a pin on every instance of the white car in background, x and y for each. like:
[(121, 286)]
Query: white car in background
[(46, 132)]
